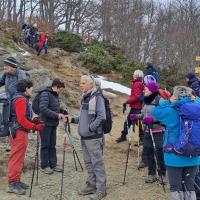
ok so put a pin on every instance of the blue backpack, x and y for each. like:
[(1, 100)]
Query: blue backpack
[(188, 143)]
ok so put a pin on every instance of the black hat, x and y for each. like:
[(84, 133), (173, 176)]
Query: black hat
[(11, 61)]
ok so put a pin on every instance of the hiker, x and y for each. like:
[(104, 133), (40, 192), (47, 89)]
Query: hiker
[(151, 100), (11, 75), (21, 124), (42, 44), (134, 101), (151, 69), (193, 83), (92, 116), (181, 169), (50, 113)]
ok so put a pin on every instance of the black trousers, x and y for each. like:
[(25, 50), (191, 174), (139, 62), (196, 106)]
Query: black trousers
[(48, 147), (128, 122), (182, 178), (150, 155)]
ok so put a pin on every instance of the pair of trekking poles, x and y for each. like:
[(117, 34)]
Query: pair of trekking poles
[(75, 156), (130, 130)]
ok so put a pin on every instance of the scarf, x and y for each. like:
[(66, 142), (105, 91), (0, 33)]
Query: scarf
[(92, 101)]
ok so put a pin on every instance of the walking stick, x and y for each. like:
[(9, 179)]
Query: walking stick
[(156, 159), (75, 155), (37, 156), (127, 155), (35, 163), (63, 166)]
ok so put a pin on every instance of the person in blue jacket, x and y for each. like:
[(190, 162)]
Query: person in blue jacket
[(181, 170)]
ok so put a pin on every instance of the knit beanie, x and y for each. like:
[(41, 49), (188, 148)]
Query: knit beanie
[(152, 86), (11, 61), (182, 91)]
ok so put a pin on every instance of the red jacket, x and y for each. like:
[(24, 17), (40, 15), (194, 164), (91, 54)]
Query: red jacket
[(134, 99), (20, 109), (42, 40)]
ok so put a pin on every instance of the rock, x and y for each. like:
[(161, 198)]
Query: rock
[(40, 77), (3, 51)]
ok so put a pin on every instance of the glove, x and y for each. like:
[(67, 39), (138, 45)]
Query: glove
[(39, 127), (133, 117), (124, 107), (36, 120), (148, 119)]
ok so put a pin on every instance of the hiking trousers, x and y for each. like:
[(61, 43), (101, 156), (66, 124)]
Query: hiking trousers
[(93, 159), (151, 162), (48, 147), (18, 151), (182, 178)]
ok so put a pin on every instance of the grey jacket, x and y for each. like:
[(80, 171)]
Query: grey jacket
[(147, 109), (90, 125), (10, 81)]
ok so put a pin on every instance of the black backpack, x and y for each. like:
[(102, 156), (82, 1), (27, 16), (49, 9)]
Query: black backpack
[(107, 125), (36, 101), (5, 114)]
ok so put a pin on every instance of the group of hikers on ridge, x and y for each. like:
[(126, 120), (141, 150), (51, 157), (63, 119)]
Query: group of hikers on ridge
[(34, 38), (169, 134)]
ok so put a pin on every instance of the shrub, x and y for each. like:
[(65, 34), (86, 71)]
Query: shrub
[(15, 36), (97, 59), (67, 41), (128, 68)]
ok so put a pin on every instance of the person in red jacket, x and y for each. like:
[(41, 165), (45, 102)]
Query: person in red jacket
[(134, 101), (42, 43), (20, 125)]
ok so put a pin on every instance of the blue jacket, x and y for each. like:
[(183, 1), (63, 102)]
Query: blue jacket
[(166, 113)]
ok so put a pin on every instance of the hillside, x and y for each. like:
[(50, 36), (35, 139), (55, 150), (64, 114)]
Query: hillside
[(65, 65)]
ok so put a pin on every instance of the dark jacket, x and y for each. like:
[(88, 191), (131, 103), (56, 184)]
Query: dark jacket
[(134, 99), (49, 107), (193, 83)]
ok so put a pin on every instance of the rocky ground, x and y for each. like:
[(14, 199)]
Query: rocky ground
[(66, 66)]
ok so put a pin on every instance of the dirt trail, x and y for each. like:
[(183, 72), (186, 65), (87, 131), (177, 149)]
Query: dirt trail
[(115, 156)]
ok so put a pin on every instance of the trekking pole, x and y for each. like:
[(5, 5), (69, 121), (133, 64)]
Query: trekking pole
[(156, 159), (33, 174), (37, 156), (127, 155), (193, 181), (75, 154), (63, 166), (138, 146)]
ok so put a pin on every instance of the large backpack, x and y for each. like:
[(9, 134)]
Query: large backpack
[(36, 101), (107, 125), (188, 143), (6, 113)]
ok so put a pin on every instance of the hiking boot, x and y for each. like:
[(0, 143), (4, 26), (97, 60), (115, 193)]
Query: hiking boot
[(15, 188), (24, 185), (98, 196), (47, 170), (122, 138), (57, 169), (150, 179), (88, 189)]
